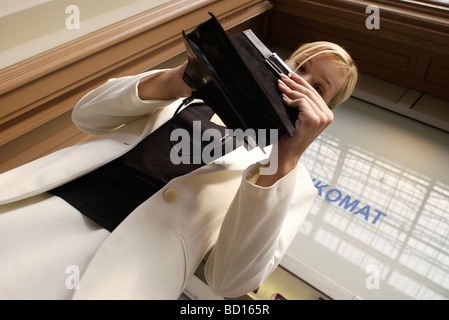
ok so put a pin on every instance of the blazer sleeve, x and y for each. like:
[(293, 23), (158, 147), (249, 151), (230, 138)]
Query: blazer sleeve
[(257, 230), (115, 104)]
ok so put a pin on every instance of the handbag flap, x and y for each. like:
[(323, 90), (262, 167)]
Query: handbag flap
[(233, 76)]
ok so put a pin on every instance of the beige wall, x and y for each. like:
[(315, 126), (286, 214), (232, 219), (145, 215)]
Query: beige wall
[(28, 28)]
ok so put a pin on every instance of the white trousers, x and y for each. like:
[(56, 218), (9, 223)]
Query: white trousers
[(45, 245)]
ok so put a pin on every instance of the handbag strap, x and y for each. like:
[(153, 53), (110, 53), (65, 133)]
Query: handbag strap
[(272, 59), (184, 102)]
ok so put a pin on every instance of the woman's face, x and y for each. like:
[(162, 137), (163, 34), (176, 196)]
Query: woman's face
[(323, 72)]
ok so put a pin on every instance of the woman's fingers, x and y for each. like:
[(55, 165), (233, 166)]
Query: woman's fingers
[(309, 117), (299, 89), (298, 85), (313, 113)]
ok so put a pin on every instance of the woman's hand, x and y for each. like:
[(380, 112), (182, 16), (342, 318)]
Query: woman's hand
[(313, 114), (165, 86), (313, 117)]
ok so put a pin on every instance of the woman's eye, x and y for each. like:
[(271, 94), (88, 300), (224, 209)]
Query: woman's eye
[(302, 69), (318, 89)]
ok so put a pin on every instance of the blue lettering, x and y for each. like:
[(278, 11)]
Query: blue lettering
[(320, 188), (364, 211), (346, 204), (335, 195), (328, 198), (379, 214)]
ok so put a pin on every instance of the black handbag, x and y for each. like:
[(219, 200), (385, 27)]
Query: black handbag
[(237, 77)]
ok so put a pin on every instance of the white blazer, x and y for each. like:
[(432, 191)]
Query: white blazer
[(158, 247)]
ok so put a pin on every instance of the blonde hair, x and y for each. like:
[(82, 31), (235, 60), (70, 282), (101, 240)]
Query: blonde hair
[(310, 50)]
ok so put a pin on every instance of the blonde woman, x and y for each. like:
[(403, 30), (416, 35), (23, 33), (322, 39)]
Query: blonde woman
[(114, 218)]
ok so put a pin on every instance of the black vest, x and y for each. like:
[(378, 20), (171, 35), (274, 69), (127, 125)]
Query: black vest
[(110, 193)]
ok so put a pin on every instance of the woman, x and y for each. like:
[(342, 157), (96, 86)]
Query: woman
[(109, 210)]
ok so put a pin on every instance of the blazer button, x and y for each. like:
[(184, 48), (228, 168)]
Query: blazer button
[(170, 195)]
